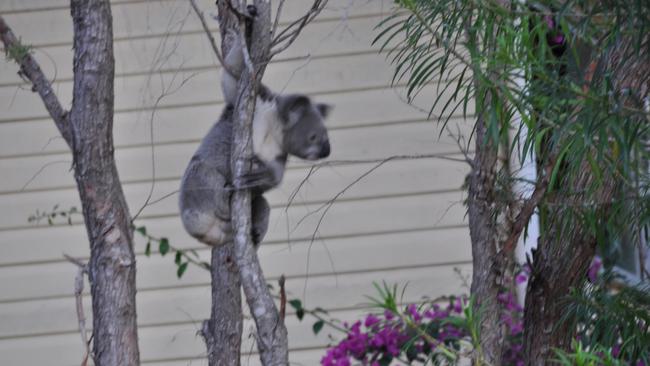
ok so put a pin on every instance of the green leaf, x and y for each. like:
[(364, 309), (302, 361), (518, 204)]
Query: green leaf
[(300, 313), (181, 269), (147, 249), (163, 246), (296, 304), (142, 230), (318, 326), (178, 257)]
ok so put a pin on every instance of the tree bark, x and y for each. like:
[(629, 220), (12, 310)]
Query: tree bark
[(108, 223), (223, 331), (271, 332), (560, 264), (271, 338), (486, 279), (87, 129)]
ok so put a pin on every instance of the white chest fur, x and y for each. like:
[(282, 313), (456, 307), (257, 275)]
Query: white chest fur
[(267, 131)]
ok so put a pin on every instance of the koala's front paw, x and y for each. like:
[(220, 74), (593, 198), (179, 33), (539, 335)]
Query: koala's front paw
[(252, 10), (251, 180)]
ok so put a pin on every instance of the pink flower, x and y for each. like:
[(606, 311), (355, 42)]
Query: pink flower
[(592, 273)]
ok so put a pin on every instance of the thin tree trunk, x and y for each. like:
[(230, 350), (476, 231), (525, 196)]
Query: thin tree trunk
[(271, 332), (223, 331), (108, 223), (87, 129), (483, 233)]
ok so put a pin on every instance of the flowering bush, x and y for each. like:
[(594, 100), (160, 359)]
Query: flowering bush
[(418, 334), (445, 331)]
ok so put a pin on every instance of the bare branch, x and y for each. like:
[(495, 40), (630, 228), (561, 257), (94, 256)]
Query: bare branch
[(213, 42), (30, 68), (289, 34), (277, 18), (78, 295), (527, 209)]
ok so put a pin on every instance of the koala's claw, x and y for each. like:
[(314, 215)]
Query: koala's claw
[(252, 10), (250, 180)]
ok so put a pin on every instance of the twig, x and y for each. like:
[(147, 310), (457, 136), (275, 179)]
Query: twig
[(283, 298), (291, 32), (30, 68), (78, 295), (277, 18), (527, 210), (213, 42)]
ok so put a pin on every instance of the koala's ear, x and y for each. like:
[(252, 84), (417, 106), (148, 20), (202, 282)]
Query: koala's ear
[(324, 109), (291, 103)]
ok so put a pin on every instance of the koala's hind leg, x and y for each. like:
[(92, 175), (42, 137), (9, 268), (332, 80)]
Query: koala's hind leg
[(205, 205), (260, 217)]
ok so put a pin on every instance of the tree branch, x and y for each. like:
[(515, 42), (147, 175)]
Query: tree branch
[(291, 32), (527, 210), (78, 295), (271, 331), (30, 68)]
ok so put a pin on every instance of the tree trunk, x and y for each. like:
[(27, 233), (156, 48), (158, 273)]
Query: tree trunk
[(223, 331), (486, 279), (106, 215), (565, 250), (560, 264), (271, 332)]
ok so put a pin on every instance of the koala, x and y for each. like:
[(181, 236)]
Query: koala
[(283, 125)]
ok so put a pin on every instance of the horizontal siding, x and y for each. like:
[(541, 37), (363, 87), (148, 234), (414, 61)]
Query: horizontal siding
[(134, 164), (343, 219), (403, 223), (353, 108), (179, 340), (192, 51), (185, 301), (394, 178)]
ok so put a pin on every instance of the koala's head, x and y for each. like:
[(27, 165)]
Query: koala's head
[(305, 135)]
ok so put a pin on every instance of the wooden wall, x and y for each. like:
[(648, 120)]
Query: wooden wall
[(403, 223)]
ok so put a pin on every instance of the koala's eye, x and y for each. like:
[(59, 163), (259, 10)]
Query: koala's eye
[(312, 137)]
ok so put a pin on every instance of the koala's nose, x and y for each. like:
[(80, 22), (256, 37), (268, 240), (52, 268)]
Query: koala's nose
[(325, 149)]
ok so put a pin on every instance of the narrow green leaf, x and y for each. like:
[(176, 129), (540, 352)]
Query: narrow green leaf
[(178, 257), (181, 269), (163, 246), (147, 249), (318, 326), (296, 304), (142, 230)]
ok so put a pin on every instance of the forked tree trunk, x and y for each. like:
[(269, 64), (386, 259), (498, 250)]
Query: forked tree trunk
[(108, 223), (87, 129), (240, 256)]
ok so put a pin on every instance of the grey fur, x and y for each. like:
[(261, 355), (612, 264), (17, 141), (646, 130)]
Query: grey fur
[(282, 125)]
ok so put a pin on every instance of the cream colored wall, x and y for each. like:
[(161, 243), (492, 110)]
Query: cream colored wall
[(403, 223)]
